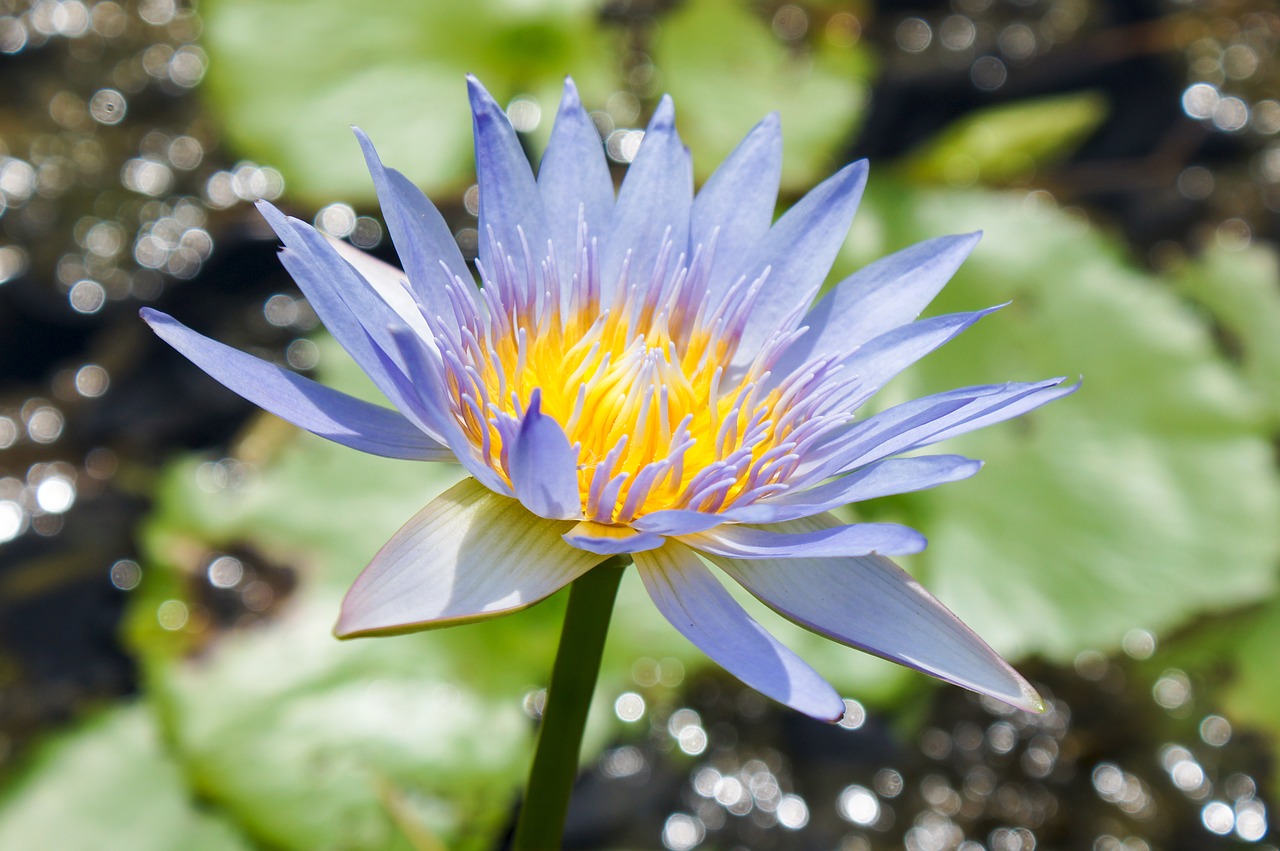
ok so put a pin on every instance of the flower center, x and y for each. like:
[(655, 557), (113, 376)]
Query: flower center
[(641, 386)]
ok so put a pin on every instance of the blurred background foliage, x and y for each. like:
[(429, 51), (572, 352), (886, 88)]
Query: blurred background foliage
[(171, 562)]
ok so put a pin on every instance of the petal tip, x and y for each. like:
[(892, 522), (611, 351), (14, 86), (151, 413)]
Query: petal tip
[(1030, 699), (571, 97), (481, 100)]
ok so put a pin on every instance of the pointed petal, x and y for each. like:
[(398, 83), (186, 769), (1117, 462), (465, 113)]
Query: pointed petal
[(350, 309), (321, 410), (429, 394), (872, 604), (998, 413), (799, 251), (422, 239), (574, 174), (883, 478), (737, 202), (656, 195), (509, 198), (873, 365), (860, 539), (701, 609), (677, 521), (610, 540), (469, 555), (890, 292), (544, 467), (924, 421), (388, 281)]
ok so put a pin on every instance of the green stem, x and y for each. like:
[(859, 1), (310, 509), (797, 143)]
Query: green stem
[(573, 680)]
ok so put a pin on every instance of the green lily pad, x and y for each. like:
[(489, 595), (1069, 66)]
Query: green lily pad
[(108, 785), (1239, 289), (725, 70), (1008, 142), (287, 78), (1145, 499)]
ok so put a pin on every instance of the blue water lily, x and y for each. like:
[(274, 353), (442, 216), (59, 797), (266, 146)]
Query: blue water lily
[(645, 374)]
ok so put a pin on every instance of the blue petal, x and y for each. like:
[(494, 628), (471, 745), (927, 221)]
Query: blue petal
[(543, 466), (799, 251), (655, 197), (872, 366), (314, 407), (469, 555), (884, 478), (574, 174), (388, 281), (349, 307), (738, 201), (509, 198), (923, 421), (890, 292), (422, 239), (677, 521), (610, 540), (860, 539), (427, 394), (872, 604), (699, 607), (992, 413)]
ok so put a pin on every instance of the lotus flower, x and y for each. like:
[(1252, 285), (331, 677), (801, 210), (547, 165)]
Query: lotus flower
[(645, 374)]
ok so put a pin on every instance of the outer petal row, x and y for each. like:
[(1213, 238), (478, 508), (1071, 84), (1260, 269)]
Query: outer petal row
[(470, 554), (887, 294), (701, 609), (872, 604), (305, 403)]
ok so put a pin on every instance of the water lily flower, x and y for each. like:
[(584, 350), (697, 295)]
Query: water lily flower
[(645, 374)]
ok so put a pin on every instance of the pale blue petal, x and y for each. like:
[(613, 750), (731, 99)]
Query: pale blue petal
[(860, 539), (677, 521), (388, 281), (799, 251), (699, 607), (654, 200), (890, 292), (872, 604), (574, 176), (992, 414), (543, 466), (509, 199), (314, 407), (422, 239), (923, 421), (469, 555), (610, 540), (351, 310), (737, 203), (426, 395), (873, 365), (884, 478)]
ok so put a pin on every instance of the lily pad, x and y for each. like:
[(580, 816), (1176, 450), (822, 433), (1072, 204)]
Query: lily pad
[(725, 70), (1008, 142), (1239, 290), (109, 786), (1144, 500), (287, 78)]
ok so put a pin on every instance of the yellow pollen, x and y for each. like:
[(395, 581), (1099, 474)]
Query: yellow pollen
[(625, 392)]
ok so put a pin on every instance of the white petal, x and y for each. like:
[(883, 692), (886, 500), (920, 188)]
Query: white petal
[(469, 555)]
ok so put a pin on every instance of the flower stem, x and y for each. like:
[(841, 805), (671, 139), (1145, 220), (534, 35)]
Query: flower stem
[(573, 680)]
